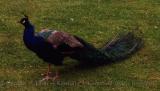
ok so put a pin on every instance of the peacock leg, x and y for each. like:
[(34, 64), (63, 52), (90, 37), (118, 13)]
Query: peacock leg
[(49, 75), (49, 70)]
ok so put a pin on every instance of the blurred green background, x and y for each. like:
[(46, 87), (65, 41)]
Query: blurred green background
[(97, 21)]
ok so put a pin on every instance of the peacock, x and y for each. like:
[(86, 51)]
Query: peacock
[(53, 46)]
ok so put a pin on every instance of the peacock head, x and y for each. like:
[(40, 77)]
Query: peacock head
[(24, 20)]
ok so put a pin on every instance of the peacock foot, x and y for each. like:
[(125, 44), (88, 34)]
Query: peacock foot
[(47, 74), (50, 77), (47, 78)]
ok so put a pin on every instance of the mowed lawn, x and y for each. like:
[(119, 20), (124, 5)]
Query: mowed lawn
[(97, 21)]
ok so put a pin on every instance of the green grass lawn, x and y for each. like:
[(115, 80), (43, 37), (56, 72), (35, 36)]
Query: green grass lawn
[(97, 21)]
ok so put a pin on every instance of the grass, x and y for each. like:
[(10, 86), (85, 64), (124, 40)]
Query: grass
[(96, 21)]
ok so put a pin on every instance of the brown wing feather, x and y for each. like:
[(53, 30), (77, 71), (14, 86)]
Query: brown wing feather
[(58, 37)]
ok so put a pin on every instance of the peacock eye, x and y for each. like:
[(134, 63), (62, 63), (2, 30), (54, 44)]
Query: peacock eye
[(23, 21)]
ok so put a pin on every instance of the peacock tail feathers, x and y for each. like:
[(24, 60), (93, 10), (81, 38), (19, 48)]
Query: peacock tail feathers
[(123, 46), (118, 48)]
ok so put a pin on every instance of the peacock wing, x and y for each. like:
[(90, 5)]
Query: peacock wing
[(73, 42)]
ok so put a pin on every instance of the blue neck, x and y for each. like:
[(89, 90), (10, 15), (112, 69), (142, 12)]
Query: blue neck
[(29, 30), (28, 35)]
